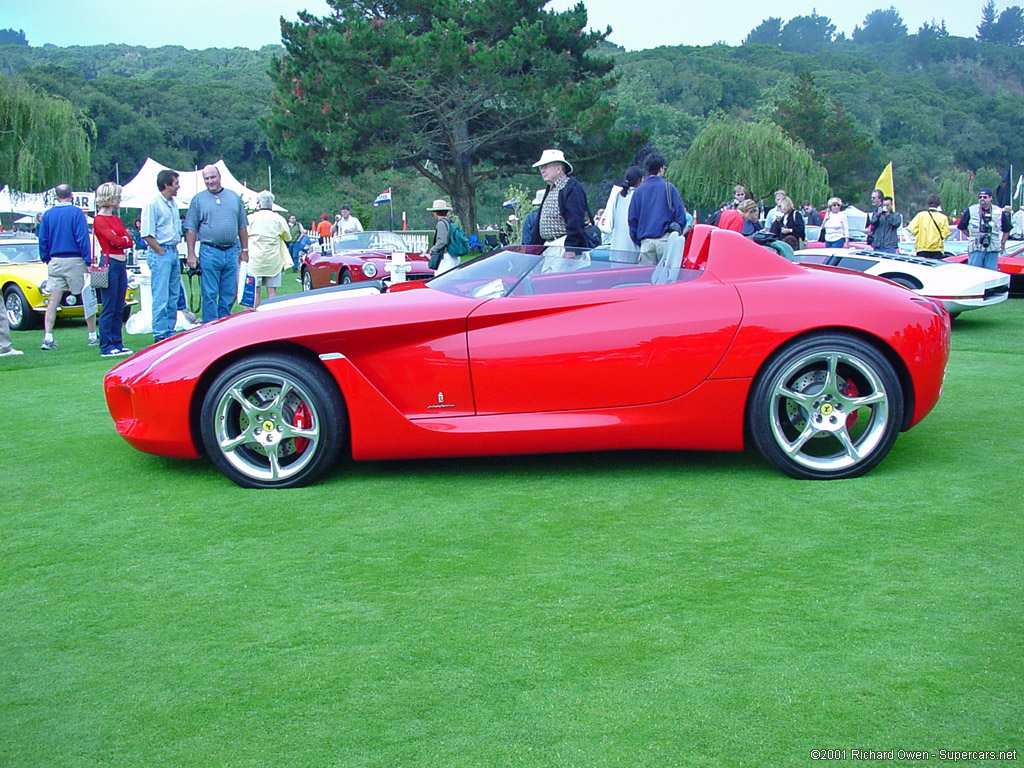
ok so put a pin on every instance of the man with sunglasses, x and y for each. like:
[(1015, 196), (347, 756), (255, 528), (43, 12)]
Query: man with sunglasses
[(988, 229)]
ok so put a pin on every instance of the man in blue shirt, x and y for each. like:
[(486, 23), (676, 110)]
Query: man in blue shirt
[(161, 229), (655, 211), (216, 219), (65, 246)]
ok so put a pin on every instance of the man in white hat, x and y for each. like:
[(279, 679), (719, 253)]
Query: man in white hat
[(562, 214), (440, 259)]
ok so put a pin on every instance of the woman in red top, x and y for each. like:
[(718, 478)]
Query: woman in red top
[(113, 240)]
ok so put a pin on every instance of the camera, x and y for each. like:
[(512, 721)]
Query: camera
[(985, 231), (193, 271)]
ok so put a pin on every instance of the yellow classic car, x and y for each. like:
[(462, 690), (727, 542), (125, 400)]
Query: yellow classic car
[(23, 283)]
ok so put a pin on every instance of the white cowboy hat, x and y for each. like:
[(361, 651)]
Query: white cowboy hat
[(539, 197), (440, 205), (552, 156)]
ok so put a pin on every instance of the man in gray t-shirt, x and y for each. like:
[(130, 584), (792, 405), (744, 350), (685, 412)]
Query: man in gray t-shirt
[(216, 219)]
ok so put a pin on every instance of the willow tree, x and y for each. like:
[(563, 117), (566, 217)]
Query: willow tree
[(44, 140), (757, 155), (460, 90)]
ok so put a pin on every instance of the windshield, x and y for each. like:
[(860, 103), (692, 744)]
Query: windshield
[(18, 253), (528, 270), (370, 241)]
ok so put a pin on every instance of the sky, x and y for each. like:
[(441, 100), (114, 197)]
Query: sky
[(636, 24)]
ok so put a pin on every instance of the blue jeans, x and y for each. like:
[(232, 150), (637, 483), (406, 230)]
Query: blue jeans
[(220, 280), (165, 280), (985, 259), (112, 314), (835, 243)]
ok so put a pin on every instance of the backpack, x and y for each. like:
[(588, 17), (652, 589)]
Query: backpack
[(458, 243)]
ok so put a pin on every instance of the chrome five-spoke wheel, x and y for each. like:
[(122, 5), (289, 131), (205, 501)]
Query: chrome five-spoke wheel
[(272, 421), (828, 407)]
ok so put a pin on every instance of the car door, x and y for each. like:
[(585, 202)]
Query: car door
[(601, 348)]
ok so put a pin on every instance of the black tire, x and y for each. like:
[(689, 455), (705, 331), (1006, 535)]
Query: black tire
[(346, 278), (827, 407), (20, 314), (126, 312), (307, 280), (255, 436)]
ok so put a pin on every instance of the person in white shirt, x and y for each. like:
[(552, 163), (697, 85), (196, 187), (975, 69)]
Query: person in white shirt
[(348, 223)]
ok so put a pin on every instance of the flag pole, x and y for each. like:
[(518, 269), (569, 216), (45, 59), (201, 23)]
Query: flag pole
[(391, 205)]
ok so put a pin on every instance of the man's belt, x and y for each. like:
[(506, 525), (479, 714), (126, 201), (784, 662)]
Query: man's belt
[(220, 247)]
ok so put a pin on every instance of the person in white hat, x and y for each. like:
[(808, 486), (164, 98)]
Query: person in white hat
[(562, 214), (440, 259)]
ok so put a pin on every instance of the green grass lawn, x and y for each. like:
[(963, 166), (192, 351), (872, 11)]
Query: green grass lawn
[(626, 609)]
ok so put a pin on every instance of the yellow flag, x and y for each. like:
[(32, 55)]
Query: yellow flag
[(884, 183)]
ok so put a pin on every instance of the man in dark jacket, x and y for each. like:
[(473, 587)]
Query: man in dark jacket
[(563, 214), (885, 225), (655, 211)]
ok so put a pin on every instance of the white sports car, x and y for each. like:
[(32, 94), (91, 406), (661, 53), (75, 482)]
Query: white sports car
[(958, 286)]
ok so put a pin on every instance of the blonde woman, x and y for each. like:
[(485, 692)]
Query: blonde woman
[(114, 241), (789, 223), (835, 227)]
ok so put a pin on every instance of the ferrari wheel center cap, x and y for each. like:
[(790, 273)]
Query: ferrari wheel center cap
[(826, 409), (268, 426)]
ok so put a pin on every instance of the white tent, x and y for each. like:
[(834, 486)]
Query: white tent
[(25, 203), (141, 189)]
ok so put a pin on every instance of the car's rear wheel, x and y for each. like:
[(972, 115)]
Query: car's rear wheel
[(307, 280), (827, 407), (346, 277), (273, 421), (20, 314)]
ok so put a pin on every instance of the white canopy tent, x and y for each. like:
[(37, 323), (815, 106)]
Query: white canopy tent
[(24, 203), (141, 189)]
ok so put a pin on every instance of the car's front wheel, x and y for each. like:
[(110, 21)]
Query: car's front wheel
[(20, 315), (307, 280), (828, 407), (273, 421)]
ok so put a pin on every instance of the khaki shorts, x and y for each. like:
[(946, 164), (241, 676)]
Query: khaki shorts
[(274, 281), (66, 275)]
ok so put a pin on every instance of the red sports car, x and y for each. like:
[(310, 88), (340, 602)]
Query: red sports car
[(360, 256), (1010, 263), (532, 351)]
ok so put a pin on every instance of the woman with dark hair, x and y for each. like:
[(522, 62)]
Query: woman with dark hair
[(617, 211)]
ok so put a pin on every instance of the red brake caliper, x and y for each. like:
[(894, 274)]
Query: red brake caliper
[(850, 390), (301, 420)]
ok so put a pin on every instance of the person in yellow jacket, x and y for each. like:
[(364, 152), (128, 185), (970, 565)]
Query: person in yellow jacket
[(268, 251), (930, 228)]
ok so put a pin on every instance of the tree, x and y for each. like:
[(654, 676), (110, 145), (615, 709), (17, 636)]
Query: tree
[(807, 34), (807, 114), (758, 155), (768, 32), (44, 140), (881, 27), (10, 37), (988, 22), (457, 90), (1009, 29)]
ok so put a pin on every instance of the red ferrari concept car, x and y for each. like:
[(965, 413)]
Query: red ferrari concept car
[(526, 350)]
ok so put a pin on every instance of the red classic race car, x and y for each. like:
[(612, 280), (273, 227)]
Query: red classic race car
[(527, 350), (361, 256)]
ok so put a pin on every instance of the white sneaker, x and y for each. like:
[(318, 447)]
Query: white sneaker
[(11, 353)]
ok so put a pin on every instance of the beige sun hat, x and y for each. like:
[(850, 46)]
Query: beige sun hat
[(539, 197), (439, 205), (553, 156)]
